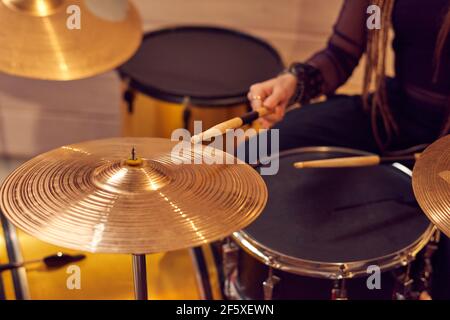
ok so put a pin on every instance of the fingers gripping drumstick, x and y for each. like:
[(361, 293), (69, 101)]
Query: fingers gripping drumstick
[(234, 123)]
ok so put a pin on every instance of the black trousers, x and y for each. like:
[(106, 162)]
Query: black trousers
[(341, 121)]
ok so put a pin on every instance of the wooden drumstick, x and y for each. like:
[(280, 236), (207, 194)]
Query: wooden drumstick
[(359, 161), (234, 123)]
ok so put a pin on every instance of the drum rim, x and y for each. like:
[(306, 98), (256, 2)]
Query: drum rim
[(196, 100), (332, 270)]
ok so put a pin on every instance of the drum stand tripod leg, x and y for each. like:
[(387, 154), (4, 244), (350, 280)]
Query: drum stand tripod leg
[(140, 277), (19, 275), (2, 289), (202, 273), (269, 284)]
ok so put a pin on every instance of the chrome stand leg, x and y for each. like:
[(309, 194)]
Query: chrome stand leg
[(19, 275), (269, 284), (202, 274), (230, 256), (140, 277)]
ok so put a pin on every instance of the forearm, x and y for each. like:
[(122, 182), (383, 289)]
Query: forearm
[(344, 49)]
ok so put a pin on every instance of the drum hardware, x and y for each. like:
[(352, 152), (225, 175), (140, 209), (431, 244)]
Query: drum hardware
[(65, 54), (414, 289), (55, 261), (2, 289), (129, 96), (427, 269), (431, 183), (14, 252), (332, 271), (407, 258), (202, 273), (343, 272), (140, 276), (230, 256), (186, 112), (359, 161), (269, 284), (405, 283), (89, 197), (422, 285), (339, 291), (410, 287)]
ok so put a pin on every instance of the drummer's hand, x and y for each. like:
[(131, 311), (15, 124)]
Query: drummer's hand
[(273, 94)]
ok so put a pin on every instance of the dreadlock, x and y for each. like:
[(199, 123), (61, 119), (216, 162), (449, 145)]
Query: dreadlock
[(375, 74)]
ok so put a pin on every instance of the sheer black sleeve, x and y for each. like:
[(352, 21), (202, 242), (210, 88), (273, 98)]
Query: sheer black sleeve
[(345, 46)]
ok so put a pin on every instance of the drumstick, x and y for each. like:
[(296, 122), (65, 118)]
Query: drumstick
[(234, 123), (359, 161)]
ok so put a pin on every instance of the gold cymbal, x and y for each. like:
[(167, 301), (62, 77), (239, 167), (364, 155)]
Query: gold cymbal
[(88, 197), (431, 183), (37, 43)]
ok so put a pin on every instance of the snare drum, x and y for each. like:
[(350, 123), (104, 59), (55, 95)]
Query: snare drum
[(322, 229), (192, 73)]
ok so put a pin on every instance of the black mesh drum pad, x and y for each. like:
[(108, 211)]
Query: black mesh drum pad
[(338, 214)]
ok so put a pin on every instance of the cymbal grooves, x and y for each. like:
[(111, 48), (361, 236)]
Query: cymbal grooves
[(44, 47), (85, 197), (431, 183)]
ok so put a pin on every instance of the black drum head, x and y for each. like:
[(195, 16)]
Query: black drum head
[(338, 215), (212, 66)]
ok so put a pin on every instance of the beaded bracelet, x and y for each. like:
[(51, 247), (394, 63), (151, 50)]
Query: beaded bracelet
[(309, 82)]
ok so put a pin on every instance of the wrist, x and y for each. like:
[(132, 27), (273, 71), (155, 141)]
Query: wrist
[(289, 78), (309, 81)]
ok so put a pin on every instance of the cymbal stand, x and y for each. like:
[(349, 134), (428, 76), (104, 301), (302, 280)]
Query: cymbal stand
[(140, 277)]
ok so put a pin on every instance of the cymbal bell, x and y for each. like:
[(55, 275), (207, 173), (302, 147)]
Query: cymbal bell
[(38, 43), (91, 197), (431, 183)]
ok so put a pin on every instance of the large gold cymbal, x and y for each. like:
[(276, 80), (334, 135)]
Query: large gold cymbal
[(36, 42), (87, 197), (431, 183)]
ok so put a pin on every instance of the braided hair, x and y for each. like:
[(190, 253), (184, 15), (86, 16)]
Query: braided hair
[(375, 74)]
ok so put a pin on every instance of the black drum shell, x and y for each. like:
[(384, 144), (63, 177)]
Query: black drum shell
[(252, 273)]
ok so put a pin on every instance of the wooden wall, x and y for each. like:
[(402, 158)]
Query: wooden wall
[(36, 116)]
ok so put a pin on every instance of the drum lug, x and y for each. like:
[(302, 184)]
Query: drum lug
[(230, 255), (270, 284), (339, 291), (405, 282), (129, 97), (427, 267), (405, 292)]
